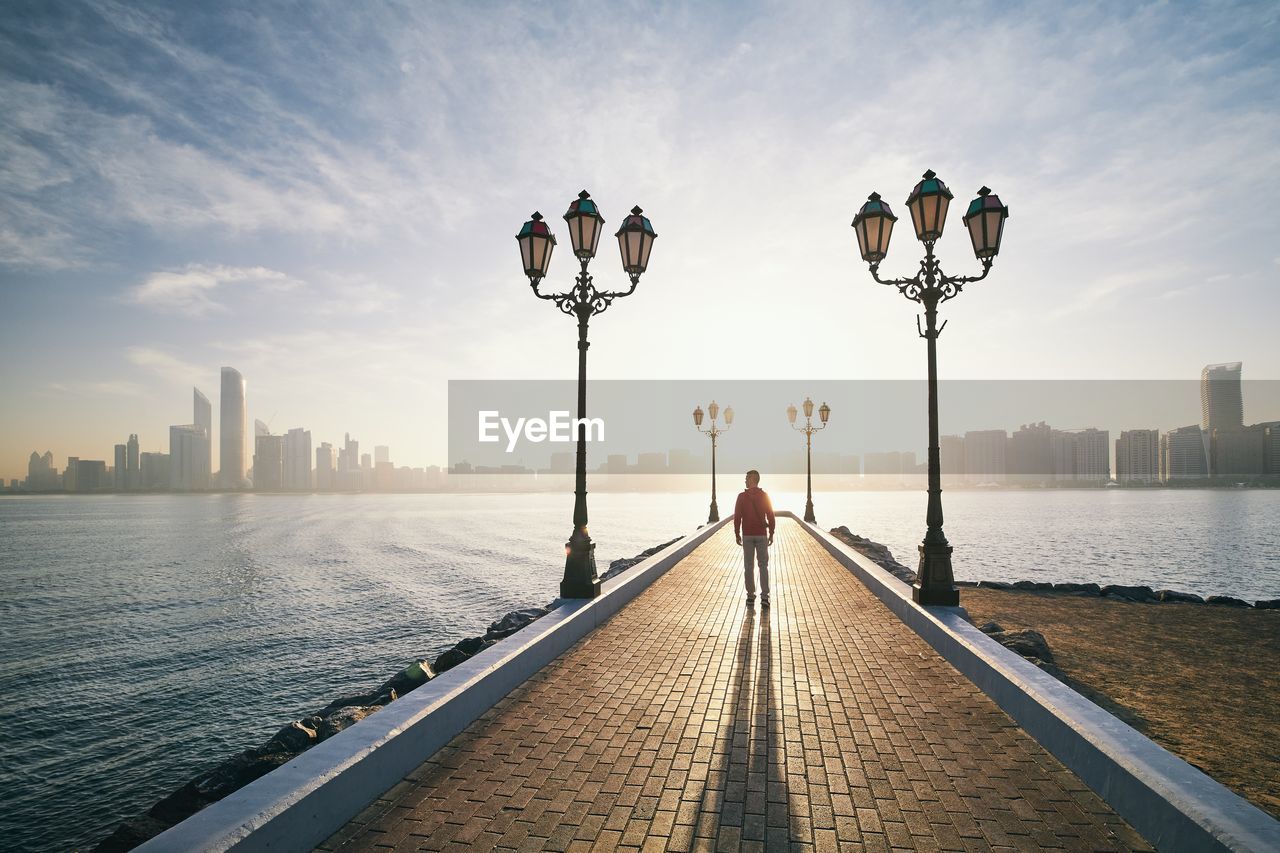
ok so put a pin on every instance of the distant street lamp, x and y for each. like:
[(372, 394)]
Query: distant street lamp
[(714, 432), (935, 583), (824, 412), (635, 241)]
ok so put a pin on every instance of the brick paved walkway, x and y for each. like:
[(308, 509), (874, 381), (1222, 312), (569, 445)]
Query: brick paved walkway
[(689, 721)]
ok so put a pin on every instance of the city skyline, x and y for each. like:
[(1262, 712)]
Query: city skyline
[(216, 205)]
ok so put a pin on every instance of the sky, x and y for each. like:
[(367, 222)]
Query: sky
[(325, 196)]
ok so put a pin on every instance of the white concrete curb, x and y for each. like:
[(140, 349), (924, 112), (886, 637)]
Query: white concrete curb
[(303, 802), (1175, 806)]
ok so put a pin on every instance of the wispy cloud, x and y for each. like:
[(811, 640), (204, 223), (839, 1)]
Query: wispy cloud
[(192, 290), (166, 366)]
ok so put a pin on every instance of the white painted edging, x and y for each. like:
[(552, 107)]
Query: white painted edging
[(1175, 806), (303, 802)]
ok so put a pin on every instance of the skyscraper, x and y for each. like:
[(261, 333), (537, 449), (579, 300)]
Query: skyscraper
[(234, 423), (326, 466), (1221, 403), (202, 416), (133, 473), (297, 460), (1138, 456), (188, 458), (268, 460), (1184, 454), (121, 468)]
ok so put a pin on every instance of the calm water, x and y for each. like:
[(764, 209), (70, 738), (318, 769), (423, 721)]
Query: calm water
[(143, 639)]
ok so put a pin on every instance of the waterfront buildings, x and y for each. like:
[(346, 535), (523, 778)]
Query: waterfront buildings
[(42, 476), (203, 417), (1184, 454), (133, 471), (121, 467), (986, 456), (1221, 400), (297, 460), (326, 466), (1138, 456), (1081, 455), (268, 459), (154, 471), (188, 458), (233, 419)]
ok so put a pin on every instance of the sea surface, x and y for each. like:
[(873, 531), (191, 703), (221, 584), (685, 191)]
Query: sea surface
[(143, 639)]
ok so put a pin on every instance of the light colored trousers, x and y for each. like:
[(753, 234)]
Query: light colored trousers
[(756, 549)]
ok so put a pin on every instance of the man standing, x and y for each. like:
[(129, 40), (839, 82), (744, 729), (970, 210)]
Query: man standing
[(753, 525)]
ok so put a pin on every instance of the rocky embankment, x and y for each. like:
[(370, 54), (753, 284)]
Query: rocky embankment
[(298, 736), (881, 556)]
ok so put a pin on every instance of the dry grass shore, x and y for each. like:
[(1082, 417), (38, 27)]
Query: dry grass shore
[(1202, 681)]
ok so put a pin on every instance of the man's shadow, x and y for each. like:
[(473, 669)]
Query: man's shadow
[(750, 750)]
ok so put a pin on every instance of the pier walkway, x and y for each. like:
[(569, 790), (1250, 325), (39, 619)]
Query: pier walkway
[(690, 721)]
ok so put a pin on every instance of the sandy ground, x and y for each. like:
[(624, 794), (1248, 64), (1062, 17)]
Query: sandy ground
[(1202, 681)]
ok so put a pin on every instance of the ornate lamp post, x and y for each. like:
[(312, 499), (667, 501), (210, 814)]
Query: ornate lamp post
[(984, 219), (824, 412), (583, 300), (714, 432)]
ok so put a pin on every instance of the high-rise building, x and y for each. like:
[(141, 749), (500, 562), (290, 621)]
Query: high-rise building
[(69, 475), (1030, 454), (233, 421), (326, 466), (1271, 449), (1080, 455), (154, 470), (985, 455), (121, 467), (42, 476), (951, 455), (1138, 456), (268, 462), (297, 460), (1239, 453), (202, 416), (1221, 402), (381, 453), (91, 475), (133, 471), (1184, 454), (188, 458)]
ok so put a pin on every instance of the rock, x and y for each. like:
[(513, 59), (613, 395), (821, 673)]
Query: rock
[(994, 585), (1183, 597), (294, 737), (131, 834), (1037, 586), (1078, 588), (514, 621), (1268, 604), (464, 650), (1226, 601), (1129, 593), (990, 628), (1027, 642), (965, 583), (341, 719), (361, 700), (411, 677)]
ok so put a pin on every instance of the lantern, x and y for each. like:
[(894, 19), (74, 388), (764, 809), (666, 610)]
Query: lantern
[(584, 225), (791, 414), (697, 416), (713, 410), (536, 242), (635, 241), (728, 416), (824, 412), (873, 225), (928, 205), (985, 221), (808, 408)]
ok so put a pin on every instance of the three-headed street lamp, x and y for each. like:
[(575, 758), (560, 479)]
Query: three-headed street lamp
[(713, 410), (824, 412), (635, 241), (935, 583)]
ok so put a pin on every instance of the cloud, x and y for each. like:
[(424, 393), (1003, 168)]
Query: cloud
[(191, 290), (168, 367)]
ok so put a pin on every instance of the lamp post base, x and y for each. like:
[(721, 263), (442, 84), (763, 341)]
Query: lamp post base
[(934, 584), (808, 513), (714, 516), (580, 578)]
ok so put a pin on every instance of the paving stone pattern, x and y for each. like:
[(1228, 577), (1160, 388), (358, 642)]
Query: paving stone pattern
[(692, 722)]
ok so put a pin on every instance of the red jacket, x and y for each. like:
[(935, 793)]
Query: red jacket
[(750, 512)]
